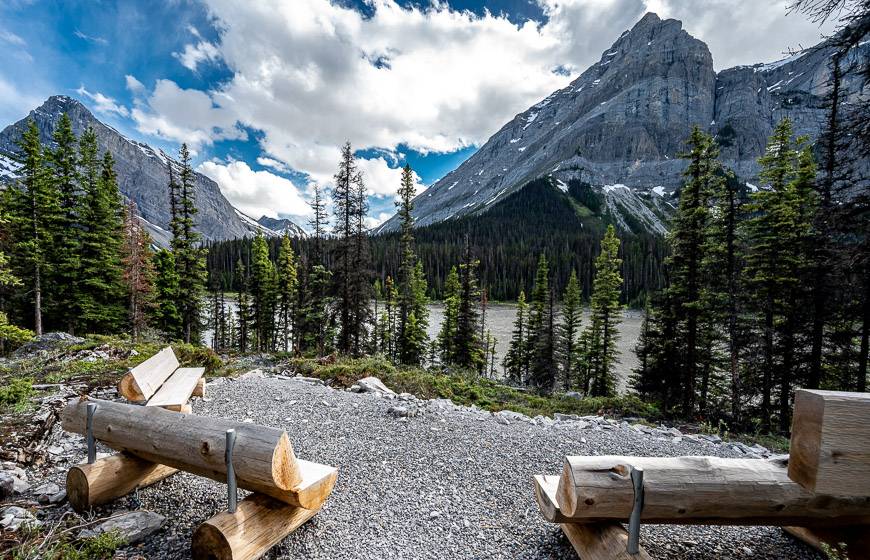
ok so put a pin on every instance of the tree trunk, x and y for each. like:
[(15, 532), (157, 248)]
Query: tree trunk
[(37, 299)]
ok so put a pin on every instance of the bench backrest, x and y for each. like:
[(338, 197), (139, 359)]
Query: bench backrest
[(153, 372)]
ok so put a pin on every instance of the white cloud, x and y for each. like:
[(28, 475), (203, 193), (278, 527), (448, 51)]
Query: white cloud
[(135, 86), (374, 221), (182, 115), (194, 54), (103, 104), (311, 73), (90, 38), (12, 38), (256, 193)]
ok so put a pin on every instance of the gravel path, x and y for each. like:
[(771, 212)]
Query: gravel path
[(449, 482)]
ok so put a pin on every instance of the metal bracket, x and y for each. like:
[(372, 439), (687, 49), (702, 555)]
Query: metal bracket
[(89, 435), (232, 493), (634, 521)]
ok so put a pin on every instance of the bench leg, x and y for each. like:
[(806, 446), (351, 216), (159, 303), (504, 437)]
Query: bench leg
[(110, 478), (856, 539), (607, 540), (259, 523)]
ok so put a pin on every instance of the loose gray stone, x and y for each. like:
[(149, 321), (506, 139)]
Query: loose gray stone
[(372, 384), (132, 527)]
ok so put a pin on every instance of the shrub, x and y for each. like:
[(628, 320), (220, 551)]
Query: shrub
[(198, 356), (16, 393)]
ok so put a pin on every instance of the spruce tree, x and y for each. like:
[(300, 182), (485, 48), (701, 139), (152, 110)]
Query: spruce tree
[(263, 294), (101, 283), (287, 286), (467, 348), (314, 326), (34, 210), (70, 182), (606, 314), (353, 289), (447, 333), (167, 317), (138, 271), (541, 335), (515, 362), (569, 328), (189, 256), (411, 338), (243, 309)]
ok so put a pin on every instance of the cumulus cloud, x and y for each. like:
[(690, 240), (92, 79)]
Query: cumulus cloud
[(374, 221), (310, 74), (256, 193), (103, 104), (182, 115), (195, 53)]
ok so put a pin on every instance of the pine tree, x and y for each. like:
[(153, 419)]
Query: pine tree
[(64, 302), (243, 309), (34, 210), (388, 319), (314, 328), (467, 348), (263, 295), (541, 333), (138, 272), (167, 318), (287, 286), (189, 256), (447, 333), (721, 269), (687, 254), (411, 338), (569, 329), (606, 315), (351, 255), (101, 283), (516, 363)]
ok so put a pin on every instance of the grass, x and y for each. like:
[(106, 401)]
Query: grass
[(33, 543), (468, 389), (15, 394)]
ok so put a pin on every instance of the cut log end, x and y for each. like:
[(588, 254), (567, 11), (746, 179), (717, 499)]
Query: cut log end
[(285, 466), (78, 489), (199, 390), (130, 389), (258, 524), (107, 479)]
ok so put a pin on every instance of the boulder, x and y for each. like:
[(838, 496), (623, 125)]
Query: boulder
[(45, 342), (132, 527), (372, 384)]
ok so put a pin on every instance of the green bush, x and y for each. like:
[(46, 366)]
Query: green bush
[(198, 356), (16, 392)]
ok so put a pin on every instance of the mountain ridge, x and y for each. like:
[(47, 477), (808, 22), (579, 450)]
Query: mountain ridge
[(623, 121), (143, 174)]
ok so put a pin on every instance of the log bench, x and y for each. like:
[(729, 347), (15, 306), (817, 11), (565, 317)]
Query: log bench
[(159, 381), (820, 494), (154, 443)]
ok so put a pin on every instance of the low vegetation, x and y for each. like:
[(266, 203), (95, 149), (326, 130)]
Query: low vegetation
[(60, 544)]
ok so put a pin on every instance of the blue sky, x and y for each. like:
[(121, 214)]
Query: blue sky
[(266, 92)]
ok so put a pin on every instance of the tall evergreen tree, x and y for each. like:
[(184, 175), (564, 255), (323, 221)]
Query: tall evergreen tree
[(167, 317), (243, 309), (413, 314), (101, 282), (541, 335), (69, 181), (467, 348), (606, 315), (353, 289), (263, 295), (447, 333), (516, 362), (314, 327), (287, 286), (569, 328), (33, 212), (189, 256)]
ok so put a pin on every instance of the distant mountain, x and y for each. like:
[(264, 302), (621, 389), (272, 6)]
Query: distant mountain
[(621, 124), (142, 174), (281, 226)]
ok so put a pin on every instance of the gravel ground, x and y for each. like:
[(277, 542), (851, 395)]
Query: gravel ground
[(450, 482)]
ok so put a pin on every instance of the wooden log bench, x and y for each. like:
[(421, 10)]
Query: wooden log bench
[(159, 381), (821, 494), (155, 443)]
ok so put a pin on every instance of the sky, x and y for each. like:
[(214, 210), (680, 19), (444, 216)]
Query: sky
[(265, 93)]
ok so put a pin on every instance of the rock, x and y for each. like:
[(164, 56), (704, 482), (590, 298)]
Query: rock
[(45, 491), (14, 517), (512, 416), (372, 384), (574, 395), (45, 342), (502, 420), (57, 498), (253, 374), (132, 527), (11, 484), (312, 380), (398, 411)]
